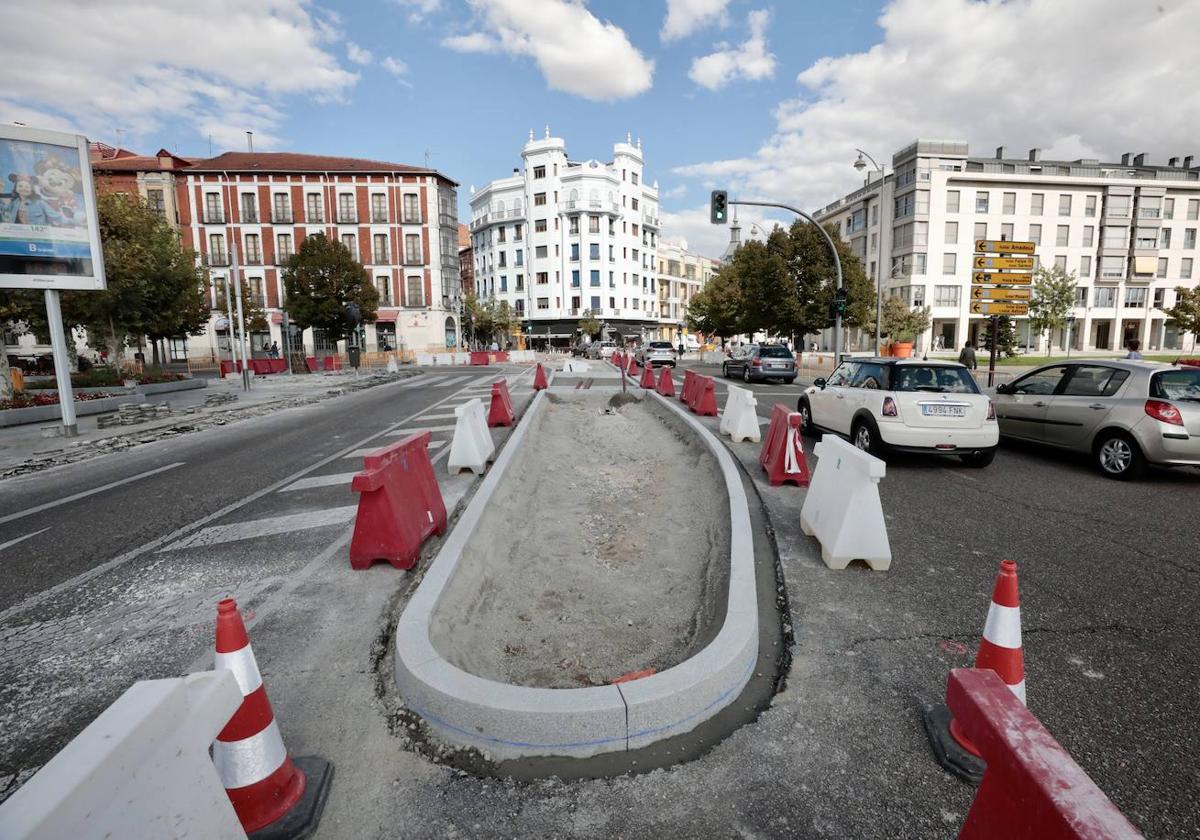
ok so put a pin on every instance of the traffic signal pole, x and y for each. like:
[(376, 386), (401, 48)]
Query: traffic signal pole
[(837, 264)]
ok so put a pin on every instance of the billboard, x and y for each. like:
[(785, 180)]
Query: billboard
[(49, 233)]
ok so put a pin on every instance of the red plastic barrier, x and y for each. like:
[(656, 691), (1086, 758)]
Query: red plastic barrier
[(689, 385), (616, 358), (332, 363), (704, 397), (479, 358), (501, 413), (784, 432), (278, 365), (228, 368), (647, 378), (666, 384), (502, 356), (399, 507), (261, 367), (1032, 788), (539, 379), (310, 362)]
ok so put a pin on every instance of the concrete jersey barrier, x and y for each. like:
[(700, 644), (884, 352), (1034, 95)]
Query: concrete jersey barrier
[(740, 418), (472, 447), (140, 769), (842, 508)]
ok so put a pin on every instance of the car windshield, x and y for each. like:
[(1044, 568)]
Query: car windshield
[(933, 378), (774, 352), (1176, 385)]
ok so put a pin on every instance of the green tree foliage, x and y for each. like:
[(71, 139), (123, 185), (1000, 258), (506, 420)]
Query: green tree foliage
[(1006, 336), (900, 323), (1053, 297), (255, 315), (321, 279), (19, 309), (714, 310), (588, 325), (489, 320), (1186, 311)]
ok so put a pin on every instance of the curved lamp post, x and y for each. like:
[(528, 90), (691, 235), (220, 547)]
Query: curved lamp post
[(860, 165)]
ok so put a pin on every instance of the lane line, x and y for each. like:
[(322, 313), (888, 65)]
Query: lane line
[(362, 453), (319, 481), (450, 416), (83, 577), (419, 429), (420, 380), (265, 527), (77, 496), (34, 534)]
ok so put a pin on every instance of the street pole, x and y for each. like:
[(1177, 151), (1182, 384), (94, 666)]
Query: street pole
[(879, 250), (995, 321), (237, 290), (837, 264), (62, 364), (229, 321)]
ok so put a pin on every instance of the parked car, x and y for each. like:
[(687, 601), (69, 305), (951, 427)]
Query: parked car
[(1125, 414), (656, 354), (760, 362), (888, 404), (580, 350), (601, 349)]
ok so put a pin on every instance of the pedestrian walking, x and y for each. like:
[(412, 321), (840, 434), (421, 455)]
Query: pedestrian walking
[(1133, 346), (967, 357)]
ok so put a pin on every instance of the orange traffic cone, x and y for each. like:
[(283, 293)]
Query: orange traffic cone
[(265, 786), (1000, 651)]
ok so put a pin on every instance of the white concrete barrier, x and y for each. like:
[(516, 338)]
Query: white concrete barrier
[(392, 367), (472, 447), (140, 769), (462, 358), (424, 358), (740, 418), (842, 508), (575, 366)]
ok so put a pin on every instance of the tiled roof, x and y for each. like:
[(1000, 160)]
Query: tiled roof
[(292, 162)]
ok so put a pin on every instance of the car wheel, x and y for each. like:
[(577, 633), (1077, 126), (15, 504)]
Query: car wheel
[(746, 374), (725, 371), (806, 423), (979, 460), (1119, 456), (865, 436)]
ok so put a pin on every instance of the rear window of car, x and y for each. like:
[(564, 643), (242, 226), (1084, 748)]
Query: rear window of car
[(774, 352), (1176, 385), (660, 345), (933, 378)]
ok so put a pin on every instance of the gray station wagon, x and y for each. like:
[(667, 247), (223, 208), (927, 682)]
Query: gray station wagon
[(1125, 414)]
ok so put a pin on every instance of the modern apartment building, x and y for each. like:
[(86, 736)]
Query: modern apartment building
[(400, 222), (681, 275), (1127, 230), (561, 236)]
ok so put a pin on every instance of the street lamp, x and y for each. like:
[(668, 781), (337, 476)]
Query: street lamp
[(860, 165)]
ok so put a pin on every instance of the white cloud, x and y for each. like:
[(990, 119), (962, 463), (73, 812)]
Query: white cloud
[(419, 10), (358, 54), (676, 191), (397, 68), (1022, 74), (750, 60), (692, 225), (576, 51), (228, 72), (687, 16)]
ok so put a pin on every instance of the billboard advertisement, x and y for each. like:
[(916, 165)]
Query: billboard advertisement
[(49, 233)]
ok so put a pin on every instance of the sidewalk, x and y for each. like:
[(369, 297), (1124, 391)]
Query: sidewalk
[(27, 448)]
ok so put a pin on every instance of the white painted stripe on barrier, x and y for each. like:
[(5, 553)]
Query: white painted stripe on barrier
[(266, 527), (319, 481), (1019, 690), (1003, 627), (419, 429), (244, 668), (250, 760)]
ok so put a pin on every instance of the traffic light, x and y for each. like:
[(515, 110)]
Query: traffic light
[(718, 207), (839, 302)]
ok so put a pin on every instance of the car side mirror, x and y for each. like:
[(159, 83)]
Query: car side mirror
[(819, 382), (1006, 388)]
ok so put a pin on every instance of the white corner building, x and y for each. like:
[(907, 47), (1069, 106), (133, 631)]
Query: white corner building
[(561, 236), (1128, 230)]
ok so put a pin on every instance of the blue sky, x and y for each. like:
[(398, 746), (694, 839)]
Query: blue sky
[(765, 99)]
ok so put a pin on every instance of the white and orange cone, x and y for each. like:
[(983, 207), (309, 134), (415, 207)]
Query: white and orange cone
[(258, 774)]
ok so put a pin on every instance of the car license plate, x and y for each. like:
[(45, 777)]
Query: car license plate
[(935, 410)]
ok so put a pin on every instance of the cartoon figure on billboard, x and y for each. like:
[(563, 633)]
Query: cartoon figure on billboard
[(59, 186)]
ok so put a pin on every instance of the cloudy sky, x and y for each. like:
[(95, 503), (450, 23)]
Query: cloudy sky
[(765, 99)]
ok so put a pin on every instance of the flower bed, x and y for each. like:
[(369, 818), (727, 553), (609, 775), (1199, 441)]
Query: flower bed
[(1190, 362), (34, 400), (107, 377)]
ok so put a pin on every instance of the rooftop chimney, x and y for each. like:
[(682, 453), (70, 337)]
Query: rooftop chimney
[(1125, 158), (249, 141), (1173, 162), (1001, 153), (1187, 162), (1035, 154), (1140, 160)]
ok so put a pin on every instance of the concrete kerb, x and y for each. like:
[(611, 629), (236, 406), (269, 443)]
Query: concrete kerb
[(510, 722)]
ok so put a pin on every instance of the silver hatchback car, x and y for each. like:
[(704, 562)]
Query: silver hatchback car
[(1125, 414)]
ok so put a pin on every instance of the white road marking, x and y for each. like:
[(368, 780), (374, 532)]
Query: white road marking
[(421, 380), (34, 534), (86, 493), (220, 534), (417, 431), (362, 453), (450, 416), (319, 481)]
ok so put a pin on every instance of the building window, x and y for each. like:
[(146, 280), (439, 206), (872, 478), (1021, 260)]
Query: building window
[(539, 172), (594, 277), (1060, 262), (594, 251), (253, 249), (949, 263), (503, 283), (381, 250), (594, 224), (313, 211), (1089, 235), (216, 249), (212, 208), (543, 303), (1185, 268), (1081, 296), (384, 287), (981, 202), (543, 277), (1112, 267), (1064, 204), (503, 262), (945, 295), (351, 245), (281, 210), (154, 201), (1162, 267), (411, 207), (633, 205), (1010, 203), (1089, 205), (1189, 238), (520, 282), (539, 199), (541, 252), (379, 213), (1117, 206), (1085, 266), (1105, 295), (633, 177), (1146, 238), (519, 306), (415, 292), (412, 249), (952, 201), (1115, 237), (1160, 298), (1193, 208), (249, 208), (539, 226), (346, 210), (1035, 234), (1135, 297), (981, 230), (1006, 231), (1063, 236), (575, 277), (904, 205), (284, 249)]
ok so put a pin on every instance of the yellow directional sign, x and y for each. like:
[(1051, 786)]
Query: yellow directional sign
[(1001, 278), (1002, 246), (980, 308), (990, 293), (983, 263)]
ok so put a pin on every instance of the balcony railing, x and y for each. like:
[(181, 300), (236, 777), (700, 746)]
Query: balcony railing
[(213, 218), (253, 259), (1149, 212), (380, 258), (413, 259), (347, 218), (250, 217), (379, 218), (216, 258), (281, 217), (314, 218)]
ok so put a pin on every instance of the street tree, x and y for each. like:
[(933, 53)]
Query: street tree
[(1006, 336), (813, 278), (489, 320), (321, 279), (1053, 298), (768, 297), (1186, 311), (714, 310), (903, 324), (19, 310), (588, 325)]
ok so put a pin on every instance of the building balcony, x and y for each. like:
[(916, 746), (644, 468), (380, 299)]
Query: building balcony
[(216, 259), (413, 259), (414, 220), (379, 218), (250, 218), (381, 259), (216, 218), (347, 218), (282, 218), (253, 259), (650, 221)]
